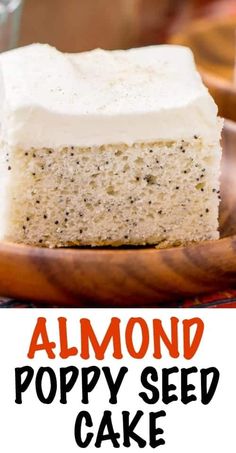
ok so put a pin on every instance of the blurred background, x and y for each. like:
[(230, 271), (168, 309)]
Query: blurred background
[(207, 26), (74, 25)]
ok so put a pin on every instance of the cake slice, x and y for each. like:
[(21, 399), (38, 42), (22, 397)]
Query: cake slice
[(107, 148)]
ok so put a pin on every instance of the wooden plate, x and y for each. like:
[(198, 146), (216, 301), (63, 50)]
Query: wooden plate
[(129, 277)]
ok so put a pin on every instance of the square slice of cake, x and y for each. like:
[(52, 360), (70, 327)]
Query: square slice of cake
[(107, 148)]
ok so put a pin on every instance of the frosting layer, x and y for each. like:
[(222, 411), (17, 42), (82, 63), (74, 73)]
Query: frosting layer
[(51, 99)]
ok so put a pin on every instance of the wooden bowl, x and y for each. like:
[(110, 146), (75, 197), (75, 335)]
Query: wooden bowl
[(213, 42), (129, 277)]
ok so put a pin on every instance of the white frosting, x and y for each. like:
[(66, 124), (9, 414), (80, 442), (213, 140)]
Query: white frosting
[(51, 99)]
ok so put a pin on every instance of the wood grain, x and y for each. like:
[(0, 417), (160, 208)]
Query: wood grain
[(128, 277), (213, 43)]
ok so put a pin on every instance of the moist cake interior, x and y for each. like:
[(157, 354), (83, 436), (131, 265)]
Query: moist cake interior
[(152, 193)]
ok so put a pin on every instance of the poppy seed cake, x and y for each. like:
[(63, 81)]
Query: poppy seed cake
[(107, 148)]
